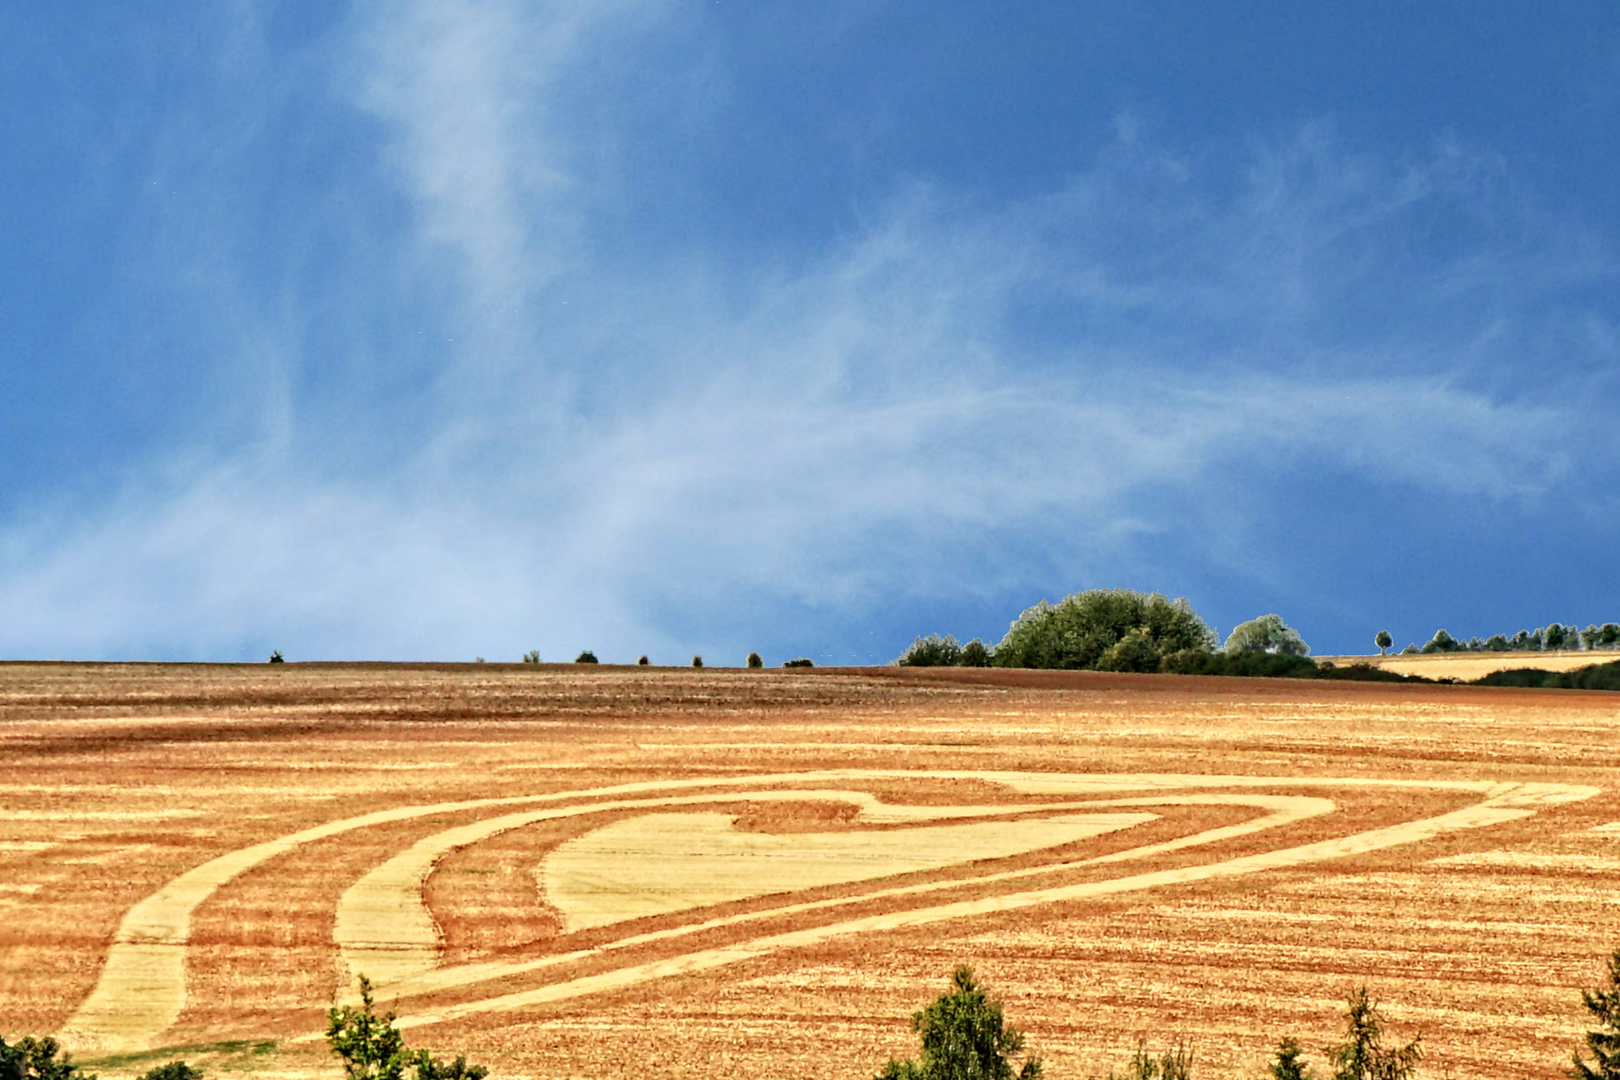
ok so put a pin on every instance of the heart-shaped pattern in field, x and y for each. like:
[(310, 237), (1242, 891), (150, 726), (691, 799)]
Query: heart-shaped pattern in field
[(657, 864)]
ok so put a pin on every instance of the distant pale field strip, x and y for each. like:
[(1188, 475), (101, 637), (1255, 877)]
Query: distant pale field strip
[(1465, 666), (1480, 936)]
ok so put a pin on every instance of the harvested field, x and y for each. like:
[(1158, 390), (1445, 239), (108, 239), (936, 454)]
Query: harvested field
[(1474, 665), (675, 872)]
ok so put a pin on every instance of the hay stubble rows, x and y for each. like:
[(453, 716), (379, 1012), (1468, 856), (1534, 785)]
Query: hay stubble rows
[(715, 871)]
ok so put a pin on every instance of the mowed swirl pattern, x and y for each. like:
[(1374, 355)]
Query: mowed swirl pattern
[(685, 862)]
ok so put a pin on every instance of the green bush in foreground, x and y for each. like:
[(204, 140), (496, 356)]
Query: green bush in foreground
[(371, 1048), (964, 1037), (1604, 1042), (35, 1059), (173, 1070)]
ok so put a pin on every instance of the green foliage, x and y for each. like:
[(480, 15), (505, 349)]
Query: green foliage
[(1604, 1041), (643, 662), (976, 654), (532, 656), (1442, 642), (173, 1070), (429, 1067), (1288, 1061), (964, 1037), (1077, 632), (35, 1059), (1591, 677), (803, 661), (276, 657), (372, 1049), (1252, 665), (755, 660), (1383, 641), (368, 1044), (1363, 1055), (932, 651), (1133, 652), (697, 661), (586, 657), (1267, 634), (1554, 636), (1174, 1064)]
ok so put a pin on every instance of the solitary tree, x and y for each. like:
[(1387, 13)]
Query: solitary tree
[(368, 1044), (1288, 1061), (964, 1037), (755, 660), (1363, 1055), (1383, 641), (1604, 1042), (1267, 634)]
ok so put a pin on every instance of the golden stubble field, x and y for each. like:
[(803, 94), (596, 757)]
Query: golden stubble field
[(660, 872)]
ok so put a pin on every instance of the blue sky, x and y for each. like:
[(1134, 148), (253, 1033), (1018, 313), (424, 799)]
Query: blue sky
[(427, 330)]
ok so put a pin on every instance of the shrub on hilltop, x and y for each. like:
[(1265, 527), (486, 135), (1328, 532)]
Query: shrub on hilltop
[(1079, 631), (1267, 634), (935, 650)]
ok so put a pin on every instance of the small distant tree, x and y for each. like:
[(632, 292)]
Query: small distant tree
[(173, 1070), (643, 662), (532, 656), (964, 1037), (1442, 642), (276, 657), (1609, 635), (1383, 641), (1267, 634), (586, 657), (1497, 643), (1363, 1055), (1603, 1042), (697, 661), (755, 660), (976, 654), (935, 650), (802, 661), (1554, 636), (368, 1045), (35, 1059)]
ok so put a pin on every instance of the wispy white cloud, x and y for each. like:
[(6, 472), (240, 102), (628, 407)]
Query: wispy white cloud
[(1077, 368)]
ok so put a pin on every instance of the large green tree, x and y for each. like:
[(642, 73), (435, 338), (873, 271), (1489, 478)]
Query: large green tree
[(964, 1037), (1081, 630), (1267, 634)]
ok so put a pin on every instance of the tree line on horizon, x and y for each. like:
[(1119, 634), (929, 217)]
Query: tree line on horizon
[(1554, 637), (1128, 631)]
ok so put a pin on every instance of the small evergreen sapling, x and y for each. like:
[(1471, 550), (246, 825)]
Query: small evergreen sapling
[(1603, 1042), (964, 1037)]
